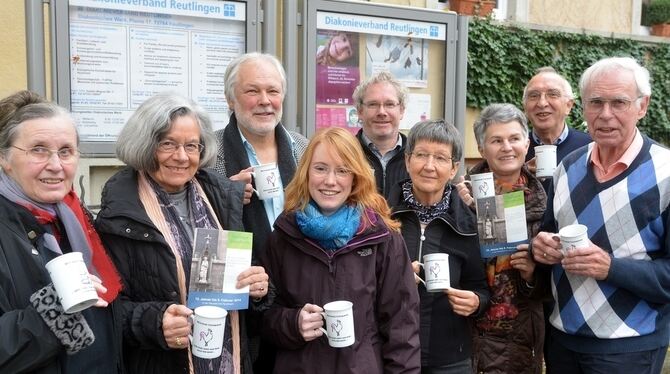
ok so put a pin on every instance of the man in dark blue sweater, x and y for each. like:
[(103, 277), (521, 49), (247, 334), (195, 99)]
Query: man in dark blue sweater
[(611, 308), (547, 100)]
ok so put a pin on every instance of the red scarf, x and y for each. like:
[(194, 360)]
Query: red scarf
[(100, 260)]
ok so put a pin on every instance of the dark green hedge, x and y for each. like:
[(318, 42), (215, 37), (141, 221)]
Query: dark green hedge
[(501, 59)]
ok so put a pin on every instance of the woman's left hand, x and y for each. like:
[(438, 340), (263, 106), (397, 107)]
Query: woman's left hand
[(521, 261), (463, 302), (257, 279), (100, 289)]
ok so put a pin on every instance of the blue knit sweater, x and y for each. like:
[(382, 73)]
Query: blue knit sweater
[(628, 217)]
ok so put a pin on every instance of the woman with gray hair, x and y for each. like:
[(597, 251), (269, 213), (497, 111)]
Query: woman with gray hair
[(42, 219), (510, 334), (149, 213), (436, 220)]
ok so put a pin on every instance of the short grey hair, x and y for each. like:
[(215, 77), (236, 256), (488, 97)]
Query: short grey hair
[(25, 106), (231, 77), (138, 140), (498, 113), (437, 131), (610, 64), (381, 77), (567, 88)]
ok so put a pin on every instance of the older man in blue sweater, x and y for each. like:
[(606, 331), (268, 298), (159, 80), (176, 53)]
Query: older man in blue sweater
[(612, 298)]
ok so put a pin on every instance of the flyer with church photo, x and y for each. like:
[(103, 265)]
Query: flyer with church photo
[(501, 223), (219, 256)]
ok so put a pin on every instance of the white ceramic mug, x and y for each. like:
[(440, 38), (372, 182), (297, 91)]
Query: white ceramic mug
[(72, 282), (268, 181), (436, 271), (545, 159), (574, 236), (209, 326), (339, 316), (482, 185)]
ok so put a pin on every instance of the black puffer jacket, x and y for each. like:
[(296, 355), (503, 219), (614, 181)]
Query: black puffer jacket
[(148, 268), (445, 336), (27, 345)]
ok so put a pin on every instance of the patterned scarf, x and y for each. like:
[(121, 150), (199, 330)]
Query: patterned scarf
[(426, 213), (331, 232), (164, 215), (78, 228)]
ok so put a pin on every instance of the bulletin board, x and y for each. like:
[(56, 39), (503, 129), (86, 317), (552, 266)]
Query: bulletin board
[(111, 55), (417, 46)]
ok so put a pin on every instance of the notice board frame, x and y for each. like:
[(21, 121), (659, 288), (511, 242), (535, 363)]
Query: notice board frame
[(352, 11), (62, 58)]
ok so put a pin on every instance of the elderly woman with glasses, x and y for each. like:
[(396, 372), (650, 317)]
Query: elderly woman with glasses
[(435, 220), (336, 241), (149, 213), (510, 334), (43, 218)]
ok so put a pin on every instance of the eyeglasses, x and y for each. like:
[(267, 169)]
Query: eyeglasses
[(40, 155), (169, 146), (322, 171), (440, 160), (597, 104), (389, 105), (534, 96)]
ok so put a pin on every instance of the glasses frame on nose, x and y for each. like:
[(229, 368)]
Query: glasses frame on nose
[(42, 155), (168, 146), (375, 106), (322, 171), (549, 95), (597, 104), (439, 160)]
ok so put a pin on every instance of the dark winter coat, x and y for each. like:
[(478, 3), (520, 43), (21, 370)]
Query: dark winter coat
[(445, 336), (373, 272), (27, 345), (517, 348), (148, 267)]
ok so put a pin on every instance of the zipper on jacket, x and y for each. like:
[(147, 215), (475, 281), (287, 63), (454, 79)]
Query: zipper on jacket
[(422, 238)]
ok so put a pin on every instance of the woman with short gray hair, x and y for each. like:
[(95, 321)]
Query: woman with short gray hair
[(150, 211), (435, 220), (510, 334), (43, 219)]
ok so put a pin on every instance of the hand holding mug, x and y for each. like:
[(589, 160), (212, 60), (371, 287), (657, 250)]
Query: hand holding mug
[(100, 289), (464, 191), (416, 268), (176, 326), (245, 176), (547, 248), (591, 261), (309, 322)]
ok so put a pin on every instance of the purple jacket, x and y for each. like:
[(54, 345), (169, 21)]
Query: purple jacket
[(372, 271)]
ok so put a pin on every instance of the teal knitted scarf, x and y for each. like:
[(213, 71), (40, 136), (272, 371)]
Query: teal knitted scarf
[(332, 232)]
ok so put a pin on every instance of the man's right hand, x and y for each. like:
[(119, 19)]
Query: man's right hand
[(245, 176), (547, 248)]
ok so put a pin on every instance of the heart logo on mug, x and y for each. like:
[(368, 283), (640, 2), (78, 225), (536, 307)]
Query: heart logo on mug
[(336, 327), (483, 188), (435, 269), (272, 179), (206, 336)]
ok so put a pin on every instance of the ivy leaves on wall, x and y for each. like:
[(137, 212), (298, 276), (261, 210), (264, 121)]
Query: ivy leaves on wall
[(501, 59)]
